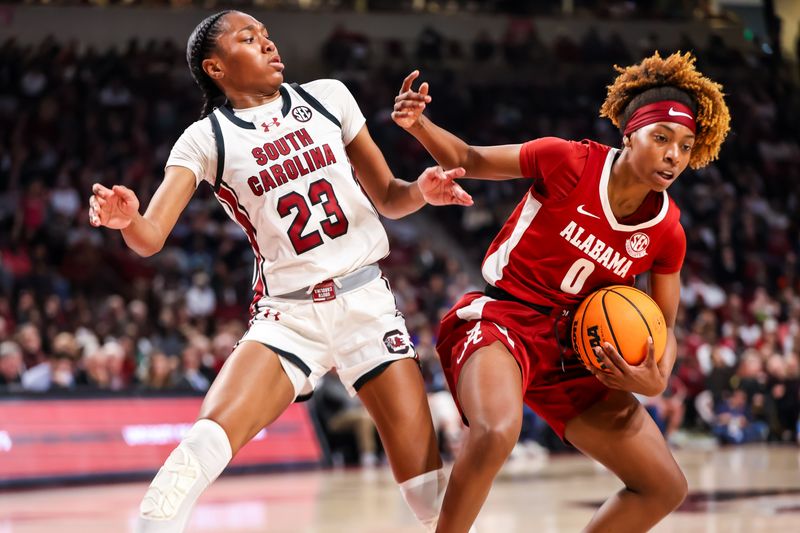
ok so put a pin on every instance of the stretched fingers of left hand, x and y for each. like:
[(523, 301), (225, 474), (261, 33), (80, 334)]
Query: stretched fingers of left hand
[(460, 196), (453, 173), (403, 105), (423, 91), (406, 86), (94, 214)]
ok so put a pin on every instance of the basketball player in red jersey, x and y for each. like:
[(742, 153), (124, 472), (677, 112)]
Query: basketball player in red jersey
[(594, 216), (279, 158)]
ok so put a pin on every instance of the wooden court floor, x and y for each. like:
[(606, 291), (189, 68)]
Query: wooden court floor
[(732, 490)]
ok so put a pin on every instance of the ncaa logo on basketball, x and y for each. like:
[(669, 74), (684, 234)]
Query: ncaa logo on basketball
[(396, 341), (637, 244), (301, 113)]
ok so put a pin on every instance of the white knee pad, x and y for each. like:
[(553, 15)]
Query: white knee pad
[(188, 471), (424, 495)]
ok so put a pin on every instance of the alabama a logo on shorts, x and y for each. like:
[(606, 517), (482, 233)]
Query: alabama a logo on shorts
[(396, 341), (636, 245)]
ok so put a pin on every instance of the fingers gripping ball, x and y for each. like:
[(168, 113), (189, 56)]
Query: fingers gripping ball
[(623, 316)]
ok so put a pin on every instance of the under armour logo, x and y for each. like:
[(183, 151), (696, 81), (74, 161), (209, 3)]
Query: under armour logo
[(268, 126), (276, 316)]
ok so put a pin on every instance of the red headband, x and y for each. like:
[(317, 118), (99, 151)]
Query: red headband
[(663, 111)]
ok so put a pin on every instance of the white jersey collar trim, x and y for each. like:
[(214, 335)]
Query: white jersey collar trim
[(606, 203)]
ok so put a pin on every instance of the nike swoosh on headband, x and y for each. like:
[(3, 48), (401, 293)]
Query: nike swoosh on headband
[(674, 113)]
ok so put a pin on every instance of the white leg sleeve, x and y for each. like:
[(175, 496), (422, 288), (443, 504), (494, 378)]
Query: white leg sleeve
[(424, 495), (188, 471)]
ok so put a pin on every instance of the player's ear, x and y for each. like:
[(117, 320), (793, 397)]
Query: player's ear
[(213, 68), (626, 141)]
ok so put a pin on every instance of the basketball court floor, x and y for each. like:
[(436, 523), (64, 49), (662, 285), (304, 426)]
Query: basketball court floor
[(732, 490)]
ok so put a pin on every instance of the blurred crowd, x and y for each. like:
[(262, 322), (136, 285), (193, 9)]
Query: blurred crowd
[(618, 9), (80, 312)]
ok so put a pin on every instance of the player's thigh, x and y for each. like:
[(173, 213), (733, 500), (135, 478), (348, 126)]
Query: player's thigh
[(619, 433), (490, 389), (251, 391), (398, 404)]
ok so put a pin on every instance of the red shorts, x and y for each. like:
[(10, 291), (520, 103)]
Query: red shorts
[(556, 393)]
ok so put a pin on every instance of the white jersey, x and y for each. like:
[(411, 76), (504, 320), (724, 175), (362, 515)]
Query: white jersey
[(281, 172)]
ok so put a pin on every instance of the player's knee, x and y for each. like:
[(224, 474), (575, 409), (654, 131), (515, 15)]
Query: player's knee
[(669, 491), (495, 440), (676, 490)]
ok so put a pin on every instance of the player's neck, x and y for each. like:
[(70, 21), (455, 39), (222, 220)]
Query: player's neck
[(625, 191), (242, 100)]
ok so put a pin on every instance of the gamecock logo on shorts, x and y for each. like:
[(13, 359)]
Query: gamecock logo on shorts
[(396, 341), (637, 244), (301, 113)]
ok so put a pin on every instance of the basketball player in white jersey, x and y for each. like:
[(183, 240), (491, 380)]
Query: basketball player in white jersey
[(279, 159)]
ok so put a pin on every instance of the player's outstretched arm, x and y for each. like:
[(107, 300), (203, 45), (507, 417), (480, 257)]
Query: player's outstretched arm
[(118, 208), (486, 162), (394, 198)]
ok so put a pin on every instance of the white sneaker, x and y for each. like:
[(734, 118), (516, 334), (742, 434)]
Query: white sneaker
[(168, 502)]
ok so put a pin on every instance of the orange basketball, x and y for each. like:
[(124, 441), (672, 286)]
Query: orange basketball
[(623, 316)]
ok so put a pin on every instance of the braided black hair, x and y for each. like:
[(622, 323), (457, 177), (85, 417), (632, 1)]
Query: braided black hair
[(202, 42)]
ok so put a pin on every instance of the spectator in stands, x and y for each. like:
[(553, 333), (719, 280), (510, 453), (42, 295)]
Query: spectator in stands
[(735, 423), (191, 373), (159, 372), (11, 367), (30, 341)]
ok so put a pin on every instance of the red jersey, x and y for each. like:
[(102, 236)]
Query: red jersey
[(562, 241)]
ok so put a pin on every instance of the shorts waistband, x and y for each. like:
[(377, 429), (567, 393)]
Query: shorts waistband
[(338, 285), (499, 294)]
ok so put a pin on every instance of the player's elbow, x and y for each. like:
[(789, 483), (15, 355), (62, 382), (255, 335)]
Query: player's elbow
[(391, 204), (147, 251), (144, 248), (471, 161), (391, 214)]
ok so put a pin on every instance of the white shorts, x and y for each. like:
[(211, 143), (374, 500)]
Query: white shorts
[(360, 333)]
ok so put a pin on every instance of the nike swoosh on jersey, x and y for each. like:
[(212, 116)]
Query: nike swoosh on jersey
[(674, 113), (582, 211)]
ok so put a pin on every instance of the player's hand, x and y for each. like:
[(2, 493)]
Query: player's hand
[(644, 378), (113, 208), (438, 186), (409, 104)]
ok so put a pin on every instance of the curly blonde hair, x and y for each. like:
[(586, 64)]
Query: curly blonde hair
[(673, 77)]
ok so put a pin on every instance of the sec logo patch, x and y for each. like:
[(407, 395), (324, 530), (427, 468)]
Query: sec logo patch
[(301, 113)]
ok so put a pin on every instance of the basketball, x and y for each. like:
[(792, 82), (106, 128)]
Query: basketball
[(623, 316)]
